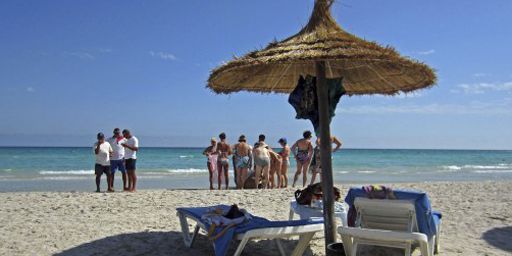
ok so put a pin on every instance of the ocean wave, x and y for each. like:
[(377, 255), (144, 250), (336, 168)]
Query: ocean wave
[(452, 167), (6, 170), (186, 156), (70, 172), (397, 173), (499, 166), (62, 178), (190, 170), (493, 171), (144, 177), (366, 172)]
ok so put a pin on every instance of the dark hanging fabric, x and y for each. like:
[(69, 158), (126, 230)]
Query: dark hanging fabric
[(305, 101)]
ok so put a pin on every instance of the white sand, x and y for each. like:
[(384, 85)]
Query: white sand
[(477, 220)]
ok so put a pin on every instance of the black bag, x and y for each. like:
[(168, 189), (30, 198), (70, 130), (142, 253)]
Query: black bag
[(305, 196)]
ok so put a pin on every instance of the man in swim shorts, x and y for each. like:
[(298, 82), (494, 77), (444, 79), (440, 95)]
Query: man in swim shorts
[(102, 152), (131, 147), (117, 159), (317, 166), (242, 154)]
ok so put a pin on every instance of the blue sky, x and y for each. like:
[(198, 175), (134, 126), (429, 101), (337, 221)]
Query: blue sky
[(69, 69)]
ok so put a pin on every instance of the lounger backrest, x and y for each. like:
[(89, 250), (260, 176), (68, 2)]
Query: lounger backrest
[(395, 215)]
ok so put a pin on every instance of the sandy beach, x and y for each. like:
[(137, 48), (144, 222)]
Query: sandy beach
[(477, 220)]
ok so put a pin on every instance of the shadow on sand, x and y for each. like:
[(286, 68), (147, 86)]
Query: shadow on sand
[(499, 238), (167, 243)]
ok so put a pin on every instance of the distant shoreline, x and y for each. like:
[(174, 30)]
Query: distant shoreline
[(199, 147)]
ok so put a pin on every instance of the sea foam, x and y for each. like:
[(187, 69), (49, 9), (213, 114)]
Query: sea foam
[(189, 170), (70, 172)]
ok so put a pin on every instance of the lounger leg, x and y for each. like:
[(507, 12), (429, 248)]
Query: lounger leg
[(241, 246), (354, 248), (290, 216), (408, 250), (187, 239), (280, 246), (424, 248), (194, 235), (437, 245), (347, 244), (303, 244)]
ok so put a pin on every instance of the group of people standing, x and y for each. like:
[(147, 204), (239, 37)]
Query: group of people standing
[(259, 166), (118, 152)]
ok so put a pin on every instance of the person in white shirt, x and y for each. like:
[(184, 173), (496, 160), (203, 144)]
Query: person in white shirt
[(131, 147), (102, 151), (117, 159)]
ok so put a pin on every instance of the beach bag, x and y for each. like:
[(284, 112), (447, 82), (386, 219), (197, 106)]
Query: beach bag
[(305, 196), (250, 182)]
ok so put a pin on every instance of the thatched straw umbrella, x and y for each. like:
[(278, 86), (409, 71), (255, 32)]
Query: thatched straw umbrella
[(324, 50)]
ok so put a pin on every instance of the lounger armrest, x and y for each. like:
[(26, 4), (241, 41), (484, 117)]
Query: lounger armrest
[(276, 232), (383, 237)]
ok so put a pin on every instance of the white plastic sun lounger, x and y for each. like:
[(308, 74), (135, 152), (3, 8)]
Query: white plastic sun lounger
[(388, 223), (305, 233)]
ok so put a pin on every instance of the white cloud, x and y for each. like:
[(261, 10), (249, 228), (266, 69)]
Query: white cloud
[(402, 95), (427, 52), (30, 89), (80, 55), (479, 75), (502, 107), (480, 88), (163, 55), (105, 50)]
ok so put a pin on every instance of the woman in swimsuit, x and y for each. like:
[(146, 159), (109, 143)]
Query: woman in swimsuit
[(302, 151), (261, 163), (223, 151), (242, 155), (285, 154), (317, 169), (211, 162)]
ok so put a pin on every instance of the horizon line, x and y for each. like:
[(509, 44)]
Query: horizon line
[(200, 147)]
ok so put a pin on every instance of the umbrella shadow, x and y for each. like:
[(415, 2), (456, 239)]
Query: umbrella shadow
[(168, 243), (499, 238)]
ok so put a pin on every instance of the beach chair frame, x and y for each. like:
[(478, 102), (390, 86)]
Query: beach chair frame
[(305, 233), (388, 223)]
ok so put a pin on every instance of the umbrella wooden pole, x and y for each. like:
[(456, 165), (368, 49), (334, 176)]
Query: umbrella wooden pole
[(325, 155)]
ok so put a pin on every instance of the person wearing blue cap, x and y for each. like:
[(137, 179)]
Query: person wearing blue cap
[(102, 151), (285, 154)]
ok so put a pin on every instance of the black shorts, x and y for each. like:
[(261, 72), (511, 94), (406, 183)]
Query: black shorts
[(130, 164), (100, 169)]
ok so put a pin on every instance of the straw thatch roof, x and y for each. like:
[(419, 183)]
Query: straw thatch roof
[(367, 68)]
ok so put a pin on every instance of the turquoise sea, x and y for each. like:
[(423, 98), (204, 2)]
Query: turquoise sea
[(71, 168)]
